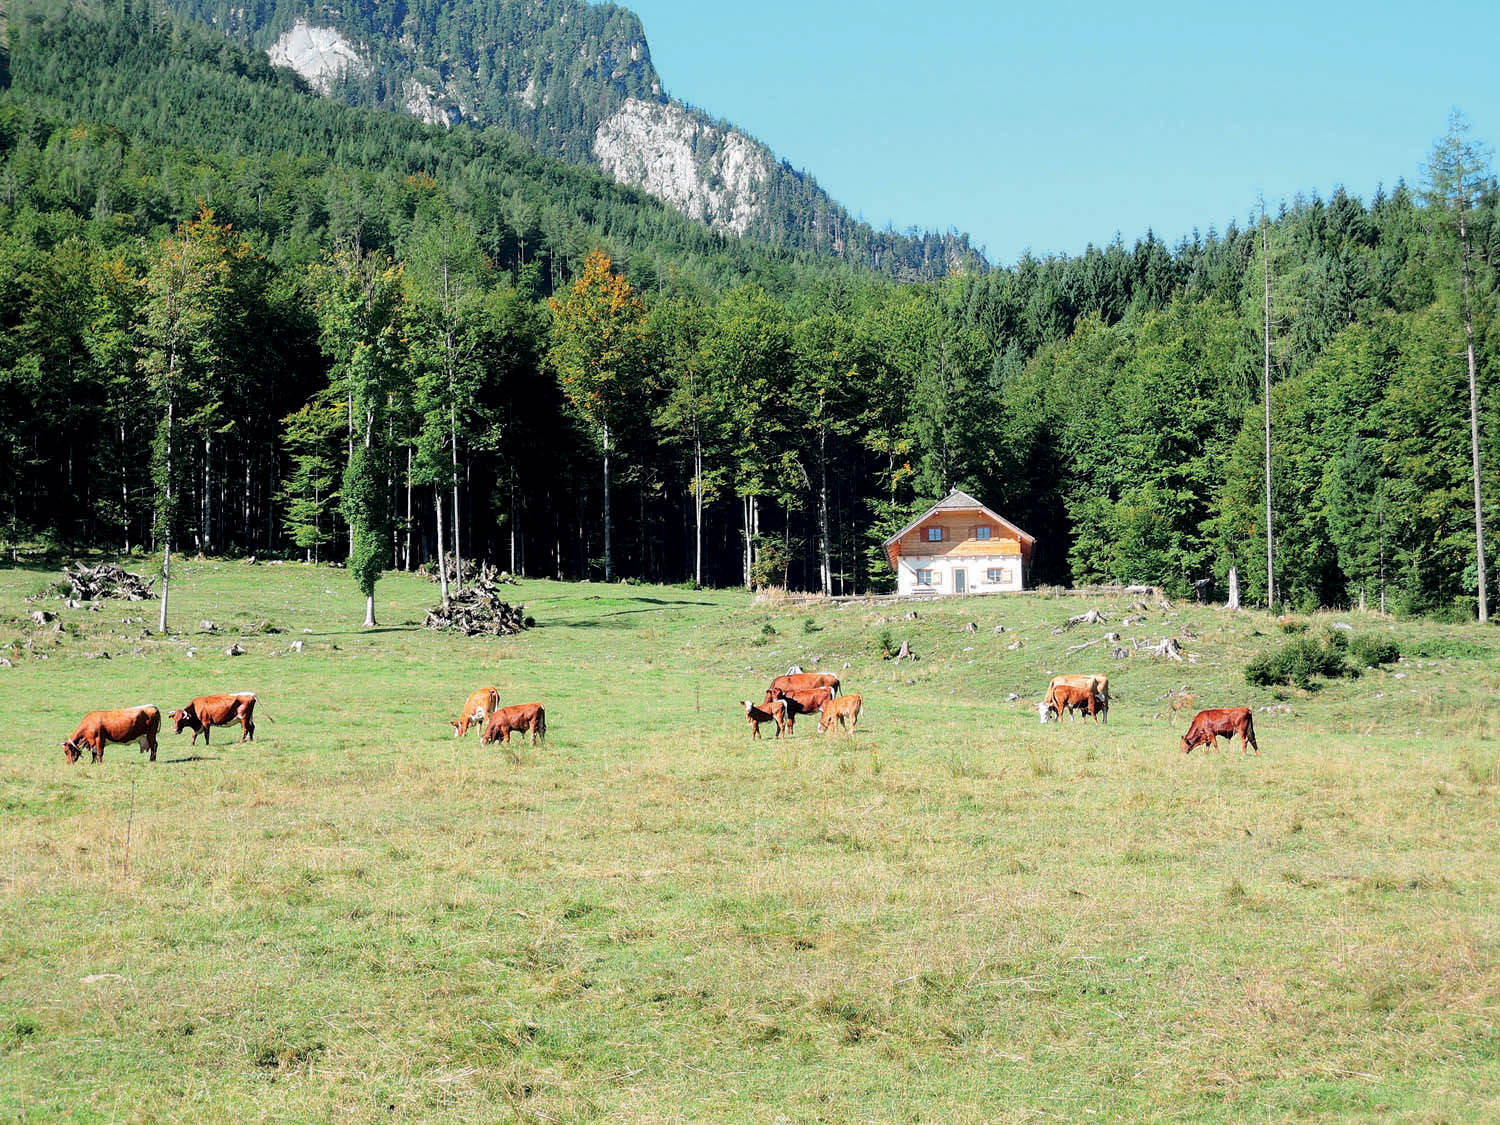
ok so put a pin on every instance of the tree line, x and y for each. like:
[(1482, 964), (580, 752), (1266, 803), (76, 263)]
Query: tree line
[(382, 356)]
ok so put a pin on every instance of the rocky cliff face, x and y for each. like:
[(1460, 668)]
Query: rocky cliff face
[(575, 78), (319, 54), (718, 176)]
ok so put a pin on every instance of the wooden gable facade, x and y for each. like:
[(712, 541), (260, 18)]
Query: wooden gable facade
[(959, 546)]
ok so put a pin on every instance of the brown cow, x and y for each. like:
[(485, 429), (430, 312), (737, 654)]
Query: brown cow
[(480, 705), (1094, 681), (1221, 722), (772, 712), (1070, 698), (520, 717), (209, 711), (799, 702), (807, 681), (843, 711), (99, 728)]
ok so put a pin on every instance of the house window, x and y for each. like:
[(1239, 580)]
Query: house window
[(994, 574), (982, 532), (924, 578), (934, 535)]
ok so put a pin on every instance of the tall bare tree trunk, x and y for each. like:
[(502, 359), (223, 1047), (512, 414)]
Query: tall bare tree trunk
[(1265, 245), (1234, 587), (826, 567), (609, 559), (458, 561), (124, 490), (166, 552), (1466, 286), (697, 507), (408, 508), (437, 494)]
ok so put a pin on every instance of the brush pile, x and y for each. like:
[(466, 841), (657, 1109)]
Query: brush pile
[(472, 572), (477, 610), (89, 583)]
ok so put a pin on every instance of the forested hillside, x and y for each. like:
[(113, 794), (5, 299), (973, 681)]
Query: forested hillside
[(576, 80), (243, 314)]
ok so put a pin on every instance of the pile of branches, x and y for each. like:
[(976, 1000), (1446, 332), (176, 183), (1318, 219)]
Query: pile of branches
[(477, 610), (88, 583), (472, 573)]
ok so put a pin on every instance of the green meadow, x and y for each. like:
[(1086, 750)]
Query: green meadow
[(955, 914)]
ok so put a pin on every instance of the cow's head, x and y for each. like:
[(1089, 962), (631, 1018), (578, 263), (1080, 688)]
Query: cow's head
[(459, 728), (749, 706), (1186, 746), (774, 694), (183, 719), (1046, 709), (71, 751)]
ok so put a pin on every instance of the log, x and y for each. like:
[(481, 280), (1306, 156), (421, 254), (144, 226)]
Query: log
[(1092, 617)]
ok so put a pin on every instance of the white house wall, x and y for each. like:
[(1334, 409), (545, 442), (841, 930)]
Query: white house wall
[(943, 566)]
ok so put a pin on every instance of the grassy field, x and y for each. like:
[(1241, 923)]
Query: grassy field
[(954, 915)]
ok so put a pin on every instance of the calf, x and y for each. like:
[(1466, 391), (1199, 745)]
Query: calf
[(1094, 681), (1069, 697), (478, 707), (806, 681), (799, 702), (1221, 722), (99, 728), (209, 711), (843, 711), (773, 712), (529, 717)]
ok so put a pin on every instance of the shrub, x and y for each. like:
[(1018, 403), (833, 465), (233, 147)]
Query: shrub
[(887, 644), (1374, 651), (1301, 662)]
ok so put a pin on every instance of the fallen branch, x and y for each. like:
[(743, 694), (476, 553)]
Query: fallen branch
[(1092, 617)]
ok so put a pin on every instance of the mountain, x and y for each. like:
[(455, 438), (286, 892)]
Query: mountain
[(577, 81)]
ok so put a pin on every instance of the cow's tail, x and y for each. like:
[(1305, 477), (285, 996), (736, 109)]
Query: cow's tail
[(264, 714), (1250, 731), (541, 722)]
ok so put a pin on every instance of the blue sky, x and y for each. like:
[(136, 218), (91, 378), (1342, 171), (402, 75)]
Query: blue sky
[(1048, 126)]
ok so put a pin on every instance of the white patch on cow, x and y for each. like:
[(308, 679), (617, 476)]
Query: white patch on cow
[(1044, 711), (243, 694)]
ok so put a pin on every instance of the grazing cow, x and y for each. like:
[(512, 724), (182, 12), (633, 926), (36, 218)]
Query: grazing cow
[(209, 711), (807, 681), (1071, 698), (1094, 682), (520, 717), (477, 708), (1221, 722), (843, 711), (773, 712), (798, 702), (127, 724)]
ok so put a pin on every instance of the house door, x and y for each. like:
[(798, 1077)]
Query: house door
[(960, 581)]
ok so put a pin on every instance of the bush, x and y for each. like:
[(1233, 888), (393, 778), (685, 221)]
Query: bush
[(1374, 651), (887, 644), (1300, 662)]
